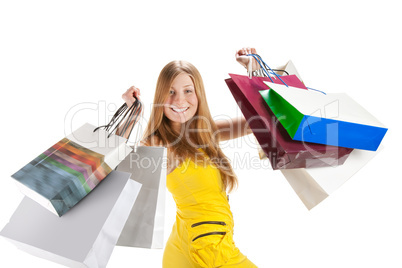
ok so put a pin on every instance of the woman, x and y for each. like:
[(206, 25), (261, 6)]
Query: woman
[(199, 174)]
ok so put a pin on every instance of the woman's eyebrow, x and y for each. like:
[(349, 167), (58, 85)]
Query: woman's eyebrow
[(183, 86)]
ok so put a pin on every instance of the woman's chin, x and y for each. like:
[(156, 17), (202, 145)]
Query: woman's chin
[(174, 121), (178, 118)]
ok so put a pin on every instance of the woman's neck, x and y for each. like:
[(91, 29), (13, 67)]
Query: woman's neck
[(177, 127), (184, 132)]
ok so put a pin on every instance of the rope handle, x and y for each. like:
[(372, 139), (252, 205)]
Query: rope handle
[(264, 67)]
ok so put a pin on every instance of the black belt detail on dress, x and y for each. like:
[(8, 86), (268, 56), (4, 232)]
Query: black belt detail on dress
[(211, 233), (208, 222)]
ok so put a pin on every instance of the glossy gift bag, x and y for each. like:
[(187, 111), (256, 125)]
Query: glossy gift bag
[(145, 225), (331, 119), (282, 151), (66, 172), (83, 237)]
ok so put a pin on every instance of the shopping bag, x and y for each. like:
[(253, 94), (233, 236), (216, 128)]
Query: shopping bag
[(331, 119), (83, 237), (282, 151), (66, 172), (313, 185), (287, 69), (145, 225)]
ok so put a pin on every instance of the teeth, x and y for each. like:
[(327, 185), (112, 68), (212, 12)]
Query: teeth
[(179, 110)]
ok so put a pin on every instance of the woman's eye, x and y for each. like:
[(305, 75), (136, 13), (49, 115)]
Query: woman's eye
[(189, 91), (171, 92)]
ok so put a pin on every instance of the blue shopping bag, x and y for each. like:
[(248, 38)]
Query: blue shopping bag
[(331, 119)]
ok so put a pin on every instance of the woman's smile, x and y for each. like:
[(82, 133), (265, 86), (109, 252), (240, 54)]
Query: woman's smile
[(180, 110)]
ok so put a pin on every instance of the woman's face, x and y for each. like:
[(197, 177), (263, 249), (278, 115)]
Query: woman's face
[(182, 102)]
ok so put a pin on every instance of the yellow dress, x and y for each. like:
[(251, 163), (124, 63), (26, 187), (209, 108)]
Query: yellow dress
[(202, 235)]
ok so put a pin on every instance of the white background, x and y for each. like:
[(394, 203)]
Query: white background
[(62, 60)]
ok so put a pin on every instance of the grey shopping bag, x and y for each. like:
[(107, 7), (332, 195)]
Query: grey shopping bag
[(145, 225)]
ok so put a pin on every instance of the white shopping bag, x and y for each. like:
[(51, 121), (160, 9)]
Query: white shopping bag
[(86, 235), (313, 185), (288, 69), (145, 225)]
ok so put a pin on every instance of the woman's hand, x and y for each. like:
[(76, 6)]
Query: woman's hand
[(245, 60), (131, 95)]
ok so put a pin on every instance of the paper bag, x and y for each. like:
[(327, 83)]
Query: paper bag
[(282, 151), (331, 119), (145, 225), (313, 185), (288, 69), (66, 172), (86, 235)]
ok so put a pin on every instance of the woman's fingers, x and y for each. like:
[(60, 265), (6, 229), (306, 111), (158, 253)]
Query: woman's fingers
[(131, 95), (247, 51), (243, 59), (137, 93)]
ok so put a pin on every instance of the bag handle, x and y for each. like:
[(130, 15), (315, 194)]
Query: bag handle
[(132, 112), (279, 70), (139, 112), (264, 67)]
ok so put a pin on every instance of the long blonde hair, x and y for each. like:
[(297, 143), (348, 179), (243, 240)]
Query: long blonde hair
[(186, 147)]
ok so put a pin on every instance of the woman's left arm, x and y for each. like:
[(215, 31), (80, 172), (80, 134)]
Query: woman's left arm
[(238, 127), (232, 128)]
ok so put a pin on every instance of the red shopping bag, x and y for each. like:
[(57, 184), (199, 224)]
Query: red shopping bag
[(282, 151)]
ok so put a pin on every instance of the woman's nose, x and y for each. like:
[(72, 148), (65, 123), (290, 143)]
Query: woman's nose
[(180, 99)]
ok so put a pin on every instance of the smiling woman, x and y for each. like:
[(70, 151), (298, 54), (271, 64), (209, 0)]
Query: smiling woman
[(199, 173)]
